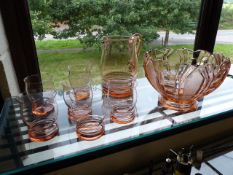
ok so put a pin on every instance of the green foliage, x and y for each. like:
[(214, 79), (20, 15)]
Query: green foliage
[(90, 20), (40, 25), (42, 22), (178, 16), (226, 20)]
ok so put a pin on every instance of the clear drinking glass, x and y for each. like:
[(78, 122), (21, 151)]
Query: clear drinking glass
[(122, 110), (91, 128), (77, 109), (120, 88), (41, 128), (80, 81), (42, 124), (41, 94)]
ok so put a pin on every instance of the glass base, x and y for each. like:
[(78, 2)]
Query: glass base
[(182, 107), (90, 130), (43, 131), (122, 115)]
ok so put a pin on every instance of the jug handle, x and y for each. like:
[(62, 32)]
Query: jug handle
[(138, 38)]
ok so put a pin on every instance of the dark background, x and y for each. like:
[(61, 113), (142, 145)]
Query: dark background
[(1, 102)]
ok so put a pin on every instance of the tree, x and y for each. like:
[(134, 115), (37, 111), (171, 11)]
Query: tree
[(179, 16), (89, 20), (42, 23), (226, 21)]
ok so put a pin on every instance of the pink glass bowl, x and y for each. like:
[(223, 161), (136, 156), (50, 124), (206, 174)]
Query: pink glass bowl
[(183, 76)]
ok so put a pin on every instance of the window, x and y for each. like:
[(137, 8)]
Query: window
[(63, 28), (224, 39), (22, 46)]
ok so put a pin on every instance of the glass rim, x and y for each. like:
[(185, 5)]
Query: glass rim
[(117, 37), (121, 37), (85, 66), (99, 118), (30, 77), (36, 79), (164, 50)]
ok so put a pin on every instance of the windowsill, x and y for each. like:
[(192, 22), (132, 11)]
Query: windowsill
[(152, 124)]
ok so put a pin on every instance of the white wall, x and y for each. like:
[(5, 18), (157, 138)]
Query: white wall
[(5, 58)]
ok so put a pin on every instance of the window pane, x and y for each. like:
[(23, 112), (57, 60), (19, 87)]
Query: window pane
[(224, 39), (69, 32)]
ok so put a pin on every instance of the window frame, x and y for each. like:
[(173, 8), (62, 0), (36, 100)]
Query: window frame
[(1, 102), (209, 16), (18, 29)]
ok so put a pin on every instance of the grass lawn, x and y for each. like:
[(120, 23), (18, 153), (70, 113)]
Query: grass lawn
[(57, 44), (226, 25), (56, 63), (226, 49)]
